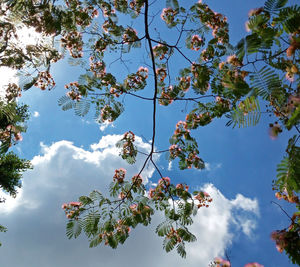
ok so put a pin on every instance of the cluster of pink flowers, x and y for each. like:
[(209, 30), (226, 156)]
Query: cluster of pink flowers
[(185, 83), (181, 130), (136, 81), (253, 264), (130, 35), (12, 92), (106, 9), (159, 191), (97, 67), (166, 96), (274, 130), (203, 199), (72, 209), (196, 42), (175, 151), (137, 180), (216, 21), (223, 102), (74, 92), (294, 45), (107, 113), (136, 5), (119, 175), (8, 132), (182, 187), (290, 72), (161, 73), (290, 198), (168, 15), (121, 227), (84, 16), (221, 262), (73, 42), (174, 233), (128, 149), (164, 183), (280, 239), (116, 90), (234, 61), (45, 81), (160, 51), (100, 45), (193, 119), (192, 159), (225, 263)]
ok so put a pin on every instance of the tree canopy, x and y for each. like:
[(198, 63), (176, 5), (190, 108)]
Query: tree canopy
[(221, 79)]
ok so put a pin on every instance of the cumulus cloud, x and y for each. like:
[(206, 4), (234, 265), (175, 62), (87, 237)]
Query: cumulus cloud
[(104, 125), (36, 114), (212, 166), (62, 173), (7, 75)]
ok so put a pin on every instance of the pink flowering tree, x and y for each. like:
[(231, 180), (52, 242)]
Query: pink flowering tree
[(220, 79)]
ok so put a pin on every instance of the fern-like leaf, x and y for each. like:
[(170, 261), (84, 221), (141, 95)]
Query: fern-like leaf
[(66, 103), (247, 114), (266, 83), (274, 5), (164, 228), (82, 107)]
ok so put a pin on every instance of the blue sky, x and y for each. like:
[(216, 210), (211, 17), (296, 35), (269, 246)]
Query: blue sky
[(72, 156)]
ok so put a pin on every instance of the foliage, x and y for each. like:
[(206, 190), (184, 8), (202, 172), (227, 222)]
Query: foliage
[(222, 80)]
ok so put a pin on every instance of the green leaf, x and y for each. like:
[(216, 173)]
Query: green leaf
[(274, 5), (66, 103), (181, 250), (73, 228), (246, 114), (164, 228), (294, 119)]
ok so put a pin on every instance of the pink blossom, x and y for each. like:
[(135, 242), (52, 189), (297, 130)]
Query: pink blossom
[(253, 264), (75, 204)]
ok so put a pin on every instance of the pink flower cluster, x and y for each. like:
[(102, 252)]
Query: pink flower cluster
[(166, 97), (203, 199), (136, 81), (45, 81), (290, 198), (216, 21), (159, 191), (137, 180), (225, 263), (100, 45), (196, 42), (168, 15), (161, 73), (72, 209), (129, 36), (119, 175), (185, 83), (12, 92), (73, 42), (10, 130), (221, 262), (74, 93), (97, 67), (160, 51)]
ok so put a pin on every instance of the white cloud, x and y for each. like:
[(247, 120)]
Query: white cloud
[(212, 166), (36, 114), (106, 124), (62, 173), (170, 165), (7, 75)]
